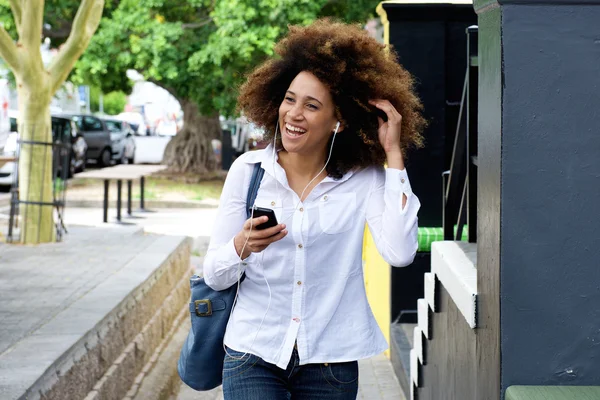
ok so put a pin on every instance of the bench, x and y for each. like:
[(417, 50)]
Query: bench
[(121, 173), (553, 393)]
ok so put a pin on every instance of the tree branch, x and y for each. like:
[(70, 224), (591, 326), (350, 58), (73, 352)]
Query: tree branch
[(30, 36), (9, 51), (85, 24), (15, 6), (196, 25), (169, 89)]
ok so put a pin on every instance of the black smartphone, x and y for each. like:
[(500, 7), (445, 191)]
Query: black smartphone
[(261, 212)]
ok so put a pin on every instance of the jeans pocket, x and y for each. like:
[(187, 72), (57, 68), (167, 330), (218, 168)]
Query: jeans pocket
[(342, 376), (236, 363)]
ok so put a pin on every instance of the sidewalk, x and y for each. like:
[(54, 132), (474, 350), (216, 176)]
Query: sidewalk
[(377, 379), (69, 311), (376, 382)]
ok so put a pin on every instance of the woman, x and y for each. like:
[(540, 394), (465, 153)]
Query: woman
[(337, 106)]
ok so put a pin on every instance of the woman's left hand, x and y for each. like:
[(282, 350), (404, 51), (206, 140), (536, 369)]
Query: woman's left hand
[(390, 132)]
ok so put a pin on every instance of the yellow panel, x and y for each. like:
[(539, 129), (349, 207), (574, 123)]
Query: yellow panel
[(377, 282)]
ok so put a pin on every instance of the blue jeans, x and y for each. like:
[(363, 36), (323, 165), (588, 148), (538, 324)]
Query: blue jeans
[(251, 378)]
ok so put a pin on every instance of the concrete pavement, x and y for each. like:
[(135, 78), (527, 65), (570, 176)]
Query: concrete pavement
[(377, 379), (82, 316), (376, 382)]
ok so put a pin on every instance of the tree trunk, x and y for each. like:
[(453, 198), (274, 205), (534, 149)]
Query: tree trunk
[(35, 162), (35, 85), (190, 151)]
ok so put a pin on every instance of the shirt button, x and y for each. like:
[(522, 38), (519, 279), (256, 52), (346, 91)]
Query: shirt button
[(273, 203), (402, 180), (301, 209), (299, 283), (300, 246), (325, 198)]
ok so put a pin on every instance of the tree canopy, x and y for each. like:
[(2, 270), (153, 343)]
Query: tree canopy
[(199, 50)]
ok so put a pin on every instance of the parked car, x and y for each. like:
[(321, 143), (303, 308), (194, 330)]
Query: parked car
[(63, 129), (123, 143), (166, 128), (97, 137)]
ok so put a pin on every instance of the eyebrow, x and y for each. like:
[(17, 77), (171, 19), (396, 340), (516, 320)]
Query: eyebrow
[(308, 97)]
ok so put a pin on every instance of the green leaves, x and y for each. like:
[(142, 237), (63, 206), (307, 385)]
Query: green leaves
[(198, 49)]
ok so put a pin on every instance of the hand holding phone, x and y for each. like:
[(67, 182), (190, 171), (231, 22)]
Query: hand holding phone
[(258, 232), (257, 212)]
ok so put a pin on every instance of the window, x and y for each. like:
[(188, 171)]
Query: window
[(13, 125), (113, 126), (92, 124)]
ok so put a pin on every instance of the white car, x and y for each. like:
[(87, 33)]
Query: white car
[(166, 128), (123, 144), (8, 170)]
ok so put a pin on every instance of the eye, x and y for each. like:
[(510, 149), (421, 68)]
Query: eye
[(290, 99), (312, 106)]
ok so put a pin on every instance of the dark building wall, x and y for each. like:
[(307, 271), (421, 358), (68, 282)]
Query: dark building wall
[(430, 40), (550, 240), (450, 372), (488, 205), (421, 49)]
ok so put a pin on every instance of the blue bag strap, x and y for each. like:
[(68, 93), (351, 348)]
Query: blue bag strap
[(257, 175)]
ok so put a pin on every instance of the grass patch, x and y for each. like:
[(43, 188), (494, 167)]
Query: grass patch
[(163, 188)]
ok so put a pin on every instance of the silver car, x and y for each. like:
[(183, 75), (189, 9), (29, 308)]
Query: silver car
[(123, 143)]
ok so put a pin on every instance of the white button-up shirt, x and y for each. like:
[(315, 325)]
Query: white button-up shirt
[(308, 288)]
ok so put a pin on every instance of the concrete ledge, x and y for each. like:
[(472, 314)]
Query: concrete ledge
[(150, 342), (423, 317), (454, 265), (418, 343), (98, 337)]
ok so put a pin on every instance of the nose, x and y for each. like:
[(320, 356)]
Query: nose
[(295, 112)]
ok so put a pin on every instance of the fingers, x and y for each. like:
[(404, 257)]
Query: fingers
[(251, 223), (265, 233), (258, 245), (272, 239), (389, 109)]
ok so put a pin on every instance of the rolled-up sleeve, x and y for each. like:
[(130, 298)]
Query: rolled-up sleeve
[(222, 265), (394, 228)]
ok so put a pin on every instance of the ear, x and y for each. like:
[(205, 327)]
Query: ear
[(339, 126)]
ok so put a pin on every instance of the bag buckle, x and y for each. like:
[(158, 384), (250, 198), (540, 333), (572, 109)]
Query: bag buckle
[(208, 313)]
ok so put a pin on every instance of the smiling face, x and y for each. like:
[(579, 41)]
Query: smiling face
[(306, 116)]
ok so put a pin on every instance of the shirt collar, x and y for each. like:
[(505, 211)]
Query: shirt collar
[(265, 157)]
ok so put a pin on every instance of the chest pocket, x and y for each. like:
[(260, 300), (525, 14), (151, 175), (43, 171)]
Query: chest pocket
[(337, 212)]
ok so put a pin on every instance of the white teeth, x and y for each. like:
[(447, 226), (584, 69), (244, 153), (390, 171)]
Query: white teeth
[(294, 129)]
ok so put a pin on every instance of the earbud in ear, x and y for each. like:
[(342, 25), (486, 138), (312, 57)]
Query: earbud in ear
[(337, 126)]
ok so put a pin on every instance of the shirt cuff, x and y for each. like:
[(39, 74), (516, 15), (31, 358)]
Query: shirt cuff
[(231, 258), (396, 180)]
